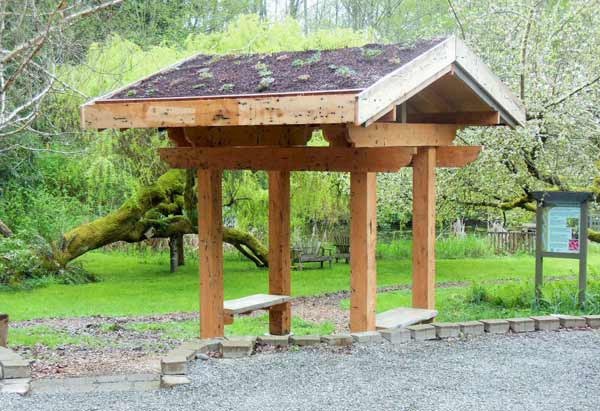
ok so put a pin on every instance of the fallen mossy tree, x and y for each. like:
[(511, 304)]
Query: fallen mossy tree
[(166, 209)]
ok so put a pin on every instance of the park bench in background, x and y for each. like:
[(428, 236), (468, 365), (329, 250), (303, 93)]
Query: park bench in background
[(341, 241), (311, 254)]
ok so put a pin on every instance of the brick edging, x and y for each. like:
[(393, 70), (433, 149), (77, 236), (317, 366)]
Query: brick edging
[(174, 365)]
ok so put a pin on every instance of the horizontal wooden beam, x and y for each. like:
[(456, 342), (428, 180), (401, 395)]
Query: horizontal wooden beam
[(248, 135), (242, 111), (483, 118), (402, 134), (378, 159), (457, 156)]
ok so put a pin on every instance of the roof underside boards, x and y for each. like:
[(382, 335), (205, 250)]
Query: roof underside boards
[(437, 76)]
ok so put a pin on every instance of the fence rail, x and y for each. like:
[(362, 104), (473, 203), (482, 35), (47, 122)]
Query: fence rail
[(512, 242)]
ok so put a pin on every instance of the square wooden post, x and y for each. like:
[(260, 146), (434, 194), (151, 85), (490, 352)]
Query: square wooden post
[(210, 245), (423, 289), (363, 240), (3, 330), (280, 277)]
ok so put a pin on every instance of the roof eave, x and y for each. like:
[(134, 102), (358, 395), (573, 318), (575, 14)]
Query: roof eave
[(450, 55)]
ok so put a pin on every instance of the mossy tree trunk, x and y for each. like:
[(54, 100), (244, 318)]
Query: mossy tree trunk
[(5, 231), (164, 210)]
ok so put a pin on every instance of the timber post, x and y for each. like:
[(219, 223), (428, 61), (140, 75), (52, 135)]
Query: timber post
[(280, 318), (423, 289), (363, 241), (210, 245), (3, 330)]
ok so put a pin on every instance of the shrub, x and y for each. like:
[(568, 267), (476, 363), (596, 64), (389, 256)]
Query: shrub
[(27, 261)]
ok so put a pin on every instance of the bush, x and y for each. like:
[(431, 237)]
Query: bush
[(470, 246), (557, 297), (27, 261)]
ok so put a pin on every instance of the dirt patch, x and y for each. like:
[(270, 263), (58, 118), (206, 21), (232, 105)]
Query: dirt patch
[(340, 69)]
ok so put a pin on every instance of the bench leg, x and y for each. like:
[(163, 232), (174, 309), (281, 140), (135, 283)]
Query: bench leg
[(228, 319)]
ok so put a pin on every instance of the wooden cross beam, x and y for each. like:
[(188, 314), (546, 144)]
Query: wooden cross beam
[(402, 134), (376, 159)]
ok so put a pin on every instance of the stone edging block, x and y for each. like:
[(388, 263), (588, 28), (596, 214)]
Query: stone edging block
[(396, 335), (593, 321), (367, 337), (337, 340), (495, 326), (471, 328), (570, 321), (446, 330), (422, 332), (521, 325), (546, 323)]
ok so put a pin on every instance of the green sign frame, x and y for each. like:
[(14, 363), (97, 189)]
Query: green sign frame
[(562, 232)]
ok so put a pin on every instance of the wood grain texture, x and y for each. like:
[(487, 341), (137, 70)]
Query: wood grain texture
[(402, 135), (253, 303), (481, 73), (403, 83), (210, 245), (272, 110), (423, 289), (363, 242), (457, 156), (249, 135), (381, 159), (280, 274), (466, 118)]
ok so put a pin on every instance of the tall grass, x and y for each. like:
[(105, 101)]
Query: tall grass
[(470, 246), (557, 297)]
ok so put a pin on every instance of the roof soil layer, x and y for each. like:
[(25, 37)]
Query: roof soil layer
[(284, 72)]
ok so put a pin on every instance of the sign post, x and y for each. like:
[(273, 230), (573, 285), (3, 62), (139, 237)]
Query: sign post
[(561, 232)]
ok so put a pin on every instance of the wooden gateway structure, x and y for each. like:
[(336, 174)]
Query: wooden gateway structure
[(380, 107)]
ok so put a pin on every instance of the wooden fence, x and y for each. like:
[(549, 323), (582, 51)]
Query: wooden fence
[(512, 242)]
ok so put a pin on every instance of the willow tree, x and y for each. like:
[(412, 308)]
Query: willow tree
[(162, 210)]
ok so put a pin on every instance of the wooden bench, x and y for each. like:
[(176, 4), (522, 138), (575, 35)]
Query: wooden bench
[(303, 255), (342, 246), (403, 317), (246, 305)]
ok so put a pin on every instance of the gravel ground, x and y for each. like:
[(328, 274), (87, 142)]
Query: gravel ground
[(536, 371)]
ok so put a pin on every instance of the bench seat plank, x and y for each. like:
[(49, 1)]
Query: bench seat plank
[(403, 317), (253, 303)]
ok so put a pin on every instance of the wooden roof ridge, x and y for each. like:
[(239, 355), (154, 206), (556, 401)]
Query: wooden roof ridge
[(450, 56)]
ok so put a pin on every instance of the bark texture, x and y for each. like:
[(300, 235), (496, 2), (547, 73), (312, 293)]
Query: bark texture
[(165, 209), (5, 230)]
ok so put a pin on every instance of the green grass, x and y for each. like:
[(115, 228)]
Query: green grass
[(133, 285), (499, 301), (49, 337), (185, 330)]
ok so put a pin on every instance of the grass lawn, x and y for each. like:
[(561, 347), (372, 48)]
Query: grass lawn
[(142, 285)]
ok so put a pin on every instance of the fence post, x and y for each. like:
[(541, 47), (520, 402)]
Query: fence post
[(3, 330)]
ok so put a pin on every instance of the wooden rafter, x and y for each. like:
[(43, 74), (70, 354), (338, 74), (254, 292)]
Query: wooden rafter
[(377, 159)]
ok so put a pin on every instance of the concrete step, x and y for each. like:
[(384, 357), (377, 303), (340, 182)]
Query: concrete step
[(403, 317), (253, 303)]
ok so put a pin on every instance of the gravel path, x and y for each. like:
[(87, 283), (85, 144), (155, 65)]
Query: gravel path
[(536, 371)]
